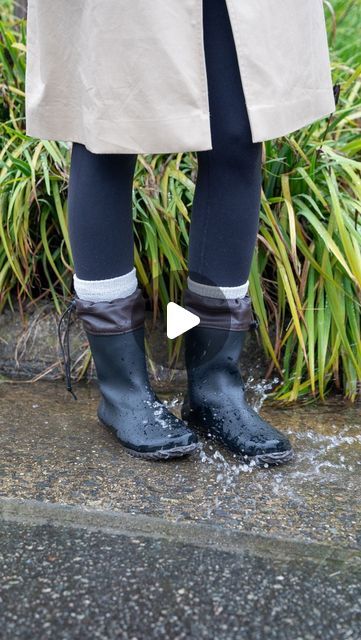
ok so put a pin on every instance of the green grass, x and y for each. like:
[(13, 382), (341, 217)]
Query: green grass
[(306, 274)]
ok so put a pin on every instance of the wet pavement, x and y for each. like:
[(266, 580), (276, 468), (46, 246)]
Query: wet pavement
[(90, 584), (220, 549), (62, 454)]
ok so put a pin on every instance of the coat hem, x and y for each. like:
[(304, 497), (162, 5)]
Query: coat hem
[(171, 135), (269, 122), (159, 136)]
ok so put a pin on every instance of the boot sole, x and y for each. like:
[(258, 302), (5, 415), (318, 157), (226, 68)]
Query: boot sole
[(165, 454), (161, 454), (275, 458)]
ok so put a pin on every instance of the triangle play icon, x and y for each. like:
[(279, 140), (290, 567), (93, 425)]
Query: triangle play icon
[(179, 320)]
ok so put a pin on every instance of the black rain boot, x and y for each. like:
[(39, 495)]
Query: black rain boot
[(215, 402), (128, 405)]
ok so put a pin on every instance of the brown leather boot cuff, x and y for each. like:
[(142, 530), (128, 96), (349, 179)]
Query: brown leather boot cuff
[(215, 313), (109, 318)]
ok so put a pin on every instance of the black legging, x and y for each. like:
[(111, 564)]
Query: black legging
[(225, 213)]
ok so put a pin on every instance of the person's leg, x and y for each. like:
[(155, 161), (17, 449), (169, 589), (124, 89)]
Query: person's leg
[(111, 306), (225, 212), (223, 233), (100, 223)]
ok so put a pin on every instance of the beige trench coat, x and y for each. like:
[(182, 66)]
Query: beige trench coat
[(129, 76)]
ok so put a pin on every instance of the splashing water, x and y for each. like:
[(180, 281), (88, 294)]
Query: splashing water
[(324, 443), (259, 391)]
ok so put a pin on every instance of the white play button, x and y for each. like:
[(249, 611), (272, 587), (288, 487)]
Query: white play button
[(179, 320)]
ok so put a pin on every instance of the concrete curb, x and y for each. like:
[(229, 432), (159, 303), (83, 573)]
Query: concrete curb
[(35, 513)]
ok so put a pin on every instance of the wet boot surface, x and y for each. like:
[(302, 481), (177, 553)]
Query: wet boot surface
[(98, 544), (216, 402), (129, 406)]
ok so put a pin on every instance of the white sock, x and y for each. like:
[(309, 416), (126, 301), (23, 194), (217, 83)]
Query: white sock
[(218, 292), (106, 290)]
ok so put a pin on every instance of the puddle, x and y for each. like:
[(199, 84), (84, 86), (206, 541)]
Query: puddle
[(322, 452), (54, 449), (326, 468)]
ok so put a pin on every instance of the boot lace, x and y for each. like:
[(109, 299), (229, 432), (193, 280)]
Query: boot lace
[(64, 342)]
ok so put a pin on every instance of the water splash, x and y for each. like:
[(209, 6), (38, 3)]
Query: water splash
[(259, 390), (324, 453)]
